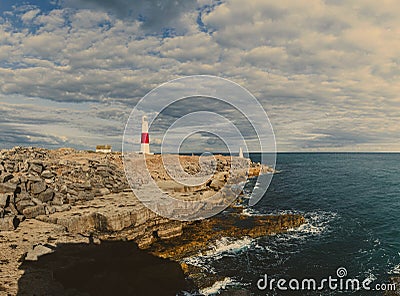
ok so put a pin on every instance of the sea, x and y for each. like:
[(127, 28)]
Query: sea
[(351, 202)]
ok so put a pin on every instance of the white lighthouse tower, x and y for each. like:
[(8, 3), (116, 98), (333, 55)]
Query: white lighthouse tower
[(145, 146), (240, 152)]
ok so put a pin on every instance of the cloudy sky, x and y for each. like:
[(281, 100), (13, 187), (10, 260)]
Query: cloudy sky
[(326, 72)]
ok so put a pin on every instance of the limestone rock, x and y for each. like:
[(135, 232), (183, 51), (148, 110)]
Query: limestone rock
[(51, 181), (32, 212), (64, 189), (8, 187), (85, 195), (46, 195), (37, 251), (50, 209), (33, 178), (58, 199), (83, 186), (4, 199), (36, 167), (62, 208), (6, 177), (103, 191), (37, 201), (47, 174), (23, 204), (8, 223), (218, 181), (198, 237), (11, 208), (38, 187)]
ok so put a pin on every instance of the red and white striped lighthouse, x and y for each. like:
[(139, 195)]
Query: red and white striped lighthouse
[(145, 146)]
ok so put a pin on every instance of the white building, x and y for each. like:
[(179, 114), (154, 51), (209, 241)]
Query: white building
[(103, 148)]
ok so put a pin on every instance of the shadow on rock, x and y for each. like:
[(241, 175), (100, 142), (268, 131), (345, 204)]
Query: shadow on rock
[(110, 268)]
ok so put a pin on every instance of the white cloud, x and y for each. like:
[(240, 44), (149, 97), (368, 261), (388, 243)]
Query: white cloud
[(302, 59), (28, 16)]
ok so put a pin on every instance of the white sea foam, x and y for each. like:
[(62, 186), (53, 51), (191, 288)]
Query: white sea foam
[(216, 287), (370, 276), (317, 222), (229, 245), (223, 247), (250, 212), (396, 269)]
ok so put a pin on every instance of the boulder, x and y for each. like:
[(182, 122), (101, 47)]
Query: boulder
[(8, 223), (38, 251), (38, 187), (11, 208), (34, 211), (85, 195), (36, 167), (62, 208), (50, 209), (71, 199), (46, 195), (83, 186), (22, 196), (8, 187), (218, 181), (47, 174), (9, 166), (6, 177), (4, 200), (23, 166), (33, 178), (64, 189), (103, 191), (72, 192), (37, 201), (58, 199), (21, 205)]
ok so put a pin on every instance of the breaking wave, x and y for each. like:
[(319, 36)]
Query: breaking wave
[(216, 287)]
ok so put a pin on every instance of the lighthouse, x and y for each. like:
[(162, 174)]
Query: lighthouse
[(145, 147), (240, 152)]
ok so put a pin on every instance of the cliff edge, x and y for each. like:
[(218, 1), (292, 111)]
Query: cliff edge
[(50, 198)]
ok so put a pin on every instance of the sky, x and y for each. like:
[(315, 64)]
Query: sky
[(326, 72)]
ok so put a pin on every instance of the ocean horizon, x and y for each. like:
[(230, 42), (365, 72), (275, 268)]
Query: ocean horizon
[(351, 202)]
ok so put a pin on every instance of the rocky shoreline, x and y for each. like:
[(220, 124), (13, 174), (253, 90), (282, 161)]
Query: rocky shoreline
[(50, 198)]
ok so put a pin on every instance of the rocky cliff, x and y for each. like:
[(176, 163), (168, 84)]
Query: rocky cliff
[(37, 181), (53, 197)]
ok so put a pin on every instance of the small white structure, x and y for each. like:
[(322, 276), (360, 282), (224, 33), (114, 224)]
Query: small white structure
[(145, 140), (103, 148), (241, 152)]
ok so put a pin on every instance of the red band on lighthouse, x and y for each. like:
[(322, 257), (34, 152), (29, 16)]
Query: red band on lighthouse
[(145, 138)]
